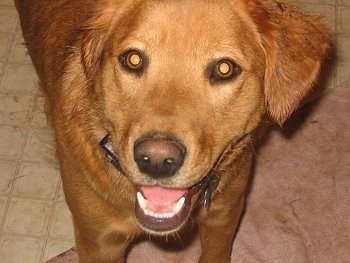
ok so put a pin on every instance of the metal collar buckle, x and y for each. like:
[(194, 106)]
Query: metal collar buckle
[(210, 189), (107, 147)]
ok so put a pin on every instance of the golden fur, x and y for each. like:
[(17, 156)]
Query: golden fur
[(75, 45)]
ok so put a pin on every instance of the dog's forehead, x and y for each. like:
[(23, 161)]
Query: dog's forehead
[(203, 28)]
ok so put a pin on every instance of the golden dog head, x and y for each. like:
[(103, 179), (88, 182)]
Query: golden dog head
[(180, 81)]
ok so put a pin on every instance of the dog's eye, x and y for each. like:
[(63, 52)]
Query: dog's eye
[(225, 69), (132, 60)]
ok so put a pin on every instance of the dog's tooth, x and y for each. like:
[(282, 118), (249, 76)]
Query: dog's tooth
[(152, 214), (169, 215), (142, 201), (179, 204), (147, 212)]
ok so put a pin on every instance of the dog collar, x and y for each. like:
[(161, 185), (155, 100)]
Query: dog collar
[(210, 189), (107, 147), (209, 183)]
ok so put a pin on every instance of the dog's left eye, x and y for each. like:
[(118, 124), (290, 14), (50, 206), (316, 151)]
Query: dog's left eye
[(132, 60), (224, 69)]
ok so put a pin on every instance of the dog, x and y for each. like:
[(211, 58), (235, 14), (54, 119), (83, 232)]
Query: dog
[(157, 106)]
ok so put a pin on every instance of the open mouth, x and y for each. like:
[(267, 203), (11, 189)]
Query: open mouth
[(159, 209), (162, 209)]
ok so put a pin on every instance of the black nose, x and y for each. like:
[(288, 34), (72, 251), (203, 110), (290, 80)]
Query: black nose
[(159, 157)]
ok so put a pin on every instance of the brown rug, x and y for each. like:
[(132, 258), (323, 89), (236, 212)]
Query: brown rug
[(298, 207)]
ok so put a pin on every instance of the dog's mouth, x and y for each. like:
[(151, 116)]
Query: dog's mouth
[(161, 209)]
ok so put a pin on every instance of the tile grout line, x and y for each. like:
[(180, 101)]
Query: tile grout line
[(8, 52), (9, 49), (12, 180), (34, 236), (50, 224)]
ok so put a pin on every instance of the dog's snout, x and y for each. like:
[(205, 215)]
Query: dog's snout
[(159, 158)]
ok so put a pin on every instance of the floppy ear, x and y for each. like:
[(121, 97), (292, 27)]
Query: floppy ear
[(295, 45), (96, 31)]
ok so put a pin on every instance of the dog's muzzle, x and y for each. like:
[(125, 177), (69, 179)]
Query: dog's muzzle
[(164, 215)]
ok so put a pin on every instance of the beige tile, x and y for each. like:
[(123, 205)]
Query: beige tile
[(36, 181), (3, 201), (62, 226), (344, 20), (11, 142), (19, 53), (27, 217), (19, 80), (40, 147), (16, 110), (41, 92), (40, 119), (343, 70), (7, 172), (344, 2), (328, 11), (5, 43), (56, 247), (7, 3), (8, 20), (327, 2), (40, 104), (60, 195), (20, 249), (344, 46)]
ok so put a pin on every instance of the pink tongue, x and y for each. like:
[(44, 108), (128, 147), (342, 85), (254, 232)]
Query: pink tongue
[(162, 195)]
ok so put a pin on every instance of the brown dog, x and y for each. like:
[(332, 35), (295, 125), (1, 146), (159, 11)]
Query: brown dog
[(157, 104)]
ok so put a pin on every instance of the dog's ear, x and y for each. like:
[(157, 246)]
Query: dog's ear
[(96, 31), (295, 45)]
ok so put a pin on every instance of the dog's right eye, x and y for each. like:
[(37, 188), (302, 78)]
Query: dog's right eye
[(132, 60), (223, 70)]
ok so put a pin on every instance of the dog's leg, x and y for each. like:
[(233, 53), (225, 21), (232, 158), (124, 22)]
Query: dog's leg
[(109, 250), (218, 224), (216, 239), (103, 231)]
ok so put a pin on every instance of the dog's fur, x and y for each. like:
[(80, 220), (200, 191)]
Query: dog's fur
[(75, 47)]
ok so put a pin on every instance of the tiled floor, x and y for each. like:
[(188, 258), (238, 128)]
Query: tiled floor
[(35, 223)]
